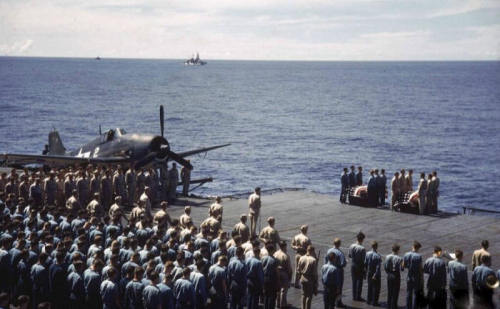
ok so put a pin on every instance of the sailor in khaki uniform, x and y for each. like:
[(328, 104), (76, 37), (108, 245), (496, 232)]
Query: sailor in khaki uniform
[(269, 233), (254, 204), (216, 208), (308, 272), (422, 194), (300, 243), (242, 228), (284, 274), (409, 181), (395, 189)]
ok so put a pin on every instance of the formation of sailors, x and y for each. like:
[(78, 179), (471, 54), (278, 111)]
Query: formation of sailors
[(61, 257), (425, 197), (56, 187)]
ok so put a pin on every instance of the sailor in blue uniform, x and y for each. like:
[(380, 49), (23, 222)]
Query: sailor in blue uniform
[(344, 185), (109, 290), (200, 284), (373, 261), (92, 283), (40, 279), (331, 281), (184, 291), (218, 281), (151, 293), (435, 267), (166, 293), (270, 268), (483, 293), (5, 264), (414, 278), (76, 287), (237, 278), (357, 254), (133, 290), (255, 279), (58, 283), (459, 282), (393, 266), (340, 263)]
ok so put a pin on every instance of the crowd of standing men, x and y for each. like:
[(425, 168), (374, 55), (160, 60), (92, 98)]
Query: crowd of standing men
[(425, 197), (80, 253)]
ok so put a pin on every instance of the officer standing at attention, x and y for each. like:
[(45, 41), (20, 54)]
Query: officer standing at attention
[(409, 181), (254, 204), (242, 228), (185, 178), (300, 243), (359, 176), (357, 254), (436, 282), (308, 271), (395, 189), (352, 177), (173, 179), (382, 187), (430, 194), (106, 189), (372, 189), (130, 181), (436, 180), (477, 255), (459, 282), (50, 187), (344, 182), (422, 194), (414, 279), (340, 263), (331, 281), (284, 274), (402, 183), (373, 261), (269, 234), (393, 266)]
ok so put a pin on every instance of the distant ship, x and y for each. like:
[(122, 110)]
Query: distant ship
[(195, 60), (97, 58)]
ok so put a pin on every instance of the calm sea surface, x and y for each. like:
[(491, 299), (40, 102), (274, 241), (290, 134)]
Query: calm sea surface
[(291, 124)]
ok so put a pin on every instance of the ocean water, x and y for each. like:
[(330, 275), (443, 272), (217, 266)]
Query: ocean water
[(291, 124)]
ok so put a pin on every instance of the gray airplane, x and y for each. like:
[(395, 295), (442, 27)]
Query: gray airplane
[(114, 146)]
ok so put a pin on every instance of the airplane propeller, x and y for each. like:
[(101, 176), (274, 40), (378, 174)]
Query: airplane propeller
[(165, 150), (162, 120)]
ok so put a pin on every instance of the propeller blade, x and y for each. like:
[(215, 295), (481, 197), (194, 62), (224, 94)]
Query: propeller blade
[(162, 120), (172, 155)]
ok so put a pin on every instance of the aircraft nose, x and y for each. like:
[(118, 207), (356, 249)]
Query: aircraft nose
[(157, 142)]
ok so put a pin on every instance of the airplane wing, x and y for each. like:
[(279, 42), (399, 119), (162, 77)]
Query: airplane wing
[(200, 150), (21, 160)]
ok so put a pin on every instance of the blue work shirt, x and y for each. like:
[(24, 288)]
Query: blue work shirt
[(217, 276), (458, 275), (237, 275), (200, 286), (151, 297), (393, 264), (76, 287), (357, 254), (133, 294), (479, 276), (373, 260), (166, 296), (255, 274), (340, 261), (40, 279), (330, 277), (413, 262), (109, 294), (92, 282), (436, 268), (184, 293)]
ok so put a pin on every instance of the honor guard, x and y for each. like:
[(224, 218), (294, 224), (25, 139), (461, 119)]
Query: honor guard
[(357, 254), (393, 265)]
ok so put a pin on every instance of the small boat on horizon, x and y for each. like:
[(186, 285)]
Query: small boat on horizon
[(195, 60), (97, 58)]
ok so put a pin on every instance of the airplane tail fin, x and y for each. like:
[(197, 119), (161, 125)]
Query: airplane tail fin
[(56, 146)]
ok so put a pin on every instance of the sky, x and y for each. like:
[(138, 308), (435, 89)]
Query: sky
[(253, 29)]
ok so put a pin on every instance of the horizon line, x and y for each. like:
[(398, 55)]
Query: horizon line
[(257, 60)]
